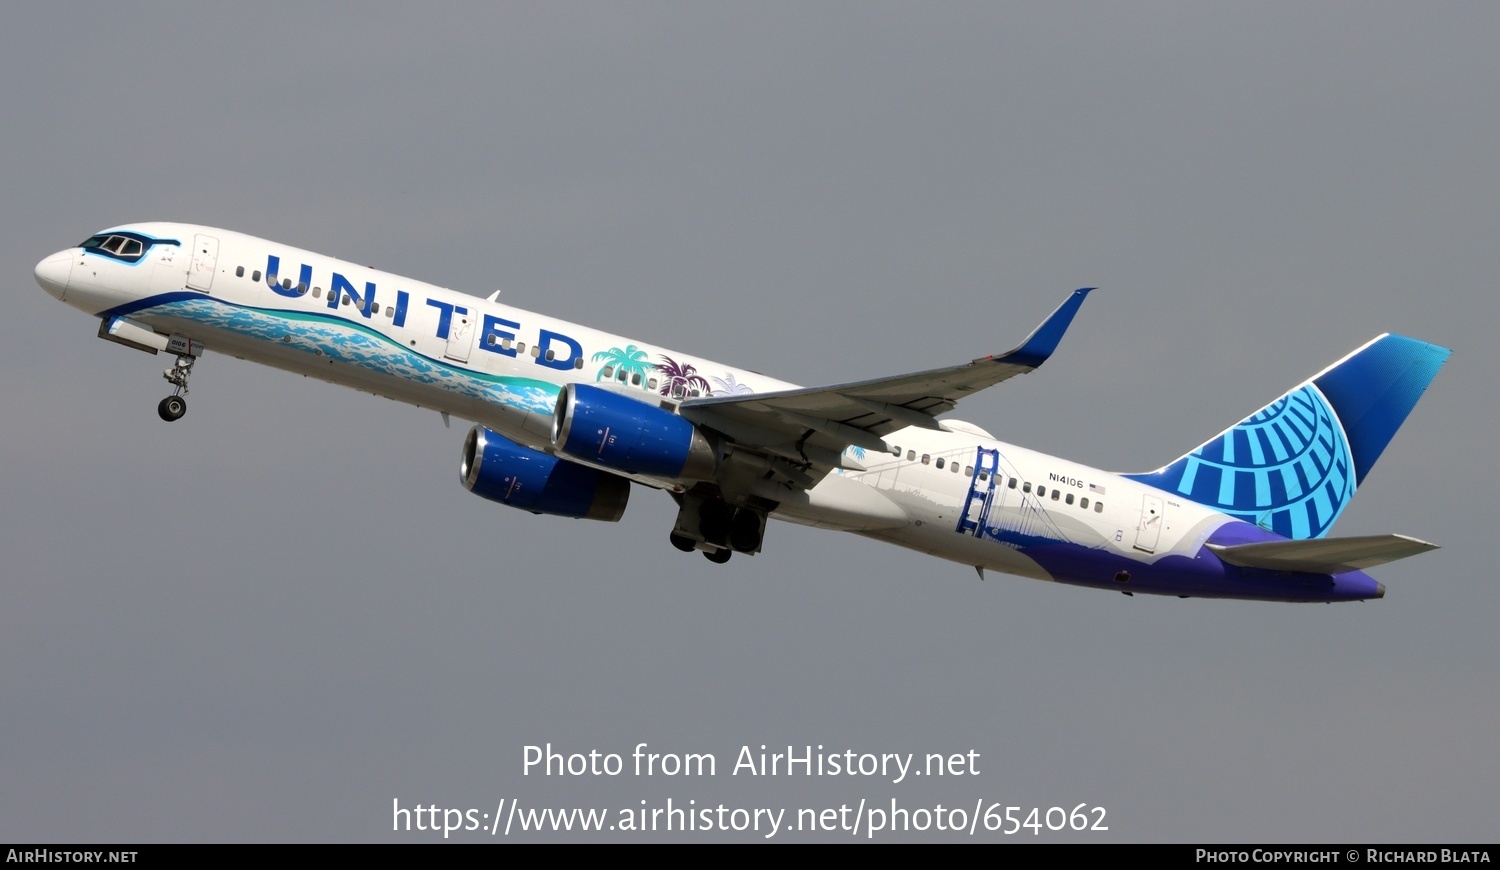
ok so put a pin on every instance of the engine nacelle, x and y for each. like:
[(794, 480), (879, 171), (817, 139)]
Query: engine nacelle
[(599, 426), (498, 469)]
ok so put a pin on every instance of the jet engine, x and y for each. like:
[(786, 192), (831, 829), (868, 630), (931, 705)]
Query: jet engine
[(498, 469), (602, 427)]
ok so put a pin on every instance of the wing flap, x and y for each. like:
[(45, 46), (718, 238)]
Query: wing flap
[(1322, 555)]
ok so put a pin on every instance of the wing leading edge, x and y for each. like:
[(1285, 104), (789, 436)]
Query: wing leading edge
[(814, 426)]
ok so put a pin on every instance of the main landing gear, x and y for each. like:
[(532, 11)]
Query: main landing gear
[(187, 352), (716, 528)]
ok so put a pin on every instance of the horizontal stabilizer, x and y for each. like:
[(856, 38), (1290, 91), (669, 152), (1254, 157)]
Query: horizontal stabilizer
[(1322, 555)]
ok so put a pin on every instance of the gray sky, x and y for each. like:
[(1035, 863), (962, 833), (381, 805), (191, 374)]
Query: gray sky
[(270, 619)]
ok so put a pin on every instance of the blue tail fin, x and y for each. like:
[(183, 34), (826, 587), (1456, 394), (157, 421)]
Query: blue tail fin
[(1293, 466)]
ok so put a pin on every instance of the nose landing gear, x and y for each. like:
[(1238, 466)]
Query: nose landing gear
[(187, 351)]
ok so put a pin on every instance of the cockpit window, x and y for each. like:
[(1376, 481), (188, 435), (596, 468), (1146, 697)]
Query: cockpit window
[(126, 246)]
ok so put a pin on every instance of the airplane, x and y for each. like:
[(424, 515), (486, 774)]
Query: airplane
[(567, 418)]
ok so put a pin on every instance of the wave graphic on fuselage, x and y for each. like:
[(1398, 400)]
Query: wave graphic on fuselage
[(358, 345)]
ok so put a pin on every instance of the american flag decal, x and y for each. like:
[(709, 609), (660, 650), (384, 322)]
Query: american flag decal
[(1094, 487)]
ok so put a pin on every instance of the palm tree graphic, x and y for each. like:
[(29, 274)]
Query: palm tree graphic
[(728, 386), (682, 375), (631, 360)]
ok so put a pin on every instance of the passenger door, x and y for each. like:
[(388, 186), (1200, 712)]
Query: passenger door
[(205, 262), (1149, 531)]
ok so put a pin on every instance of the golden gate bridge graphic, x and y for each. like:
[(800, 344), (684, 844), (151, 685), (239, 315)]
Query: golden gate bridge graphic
[(1000, 508)]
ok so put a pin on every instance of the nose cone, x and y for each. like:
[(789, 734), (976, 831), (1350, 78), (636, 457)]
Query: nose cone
[(53, 273)]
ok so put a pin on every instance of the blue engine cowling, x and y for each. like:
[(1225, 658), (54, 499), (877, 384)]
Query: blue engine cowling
[(496, 468), (605, 428)]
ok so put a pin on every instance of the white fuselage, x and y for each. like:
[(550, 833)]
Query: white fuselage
[(502, 367)]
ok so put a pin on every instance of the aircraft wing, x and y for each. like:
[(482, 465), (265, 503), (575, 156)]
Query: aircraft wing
[(813, 427), (1323, 555)]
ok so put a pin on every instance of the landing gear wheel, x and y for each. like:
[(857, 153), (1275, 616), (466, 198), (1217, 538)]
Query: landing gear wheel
[(714, 519), (681, 542), (744, 533), (172, 408), (718, 557)]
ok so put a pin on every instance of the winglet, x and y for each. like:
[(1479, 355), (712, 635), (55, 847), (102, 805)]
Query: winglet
[(1040, 344)]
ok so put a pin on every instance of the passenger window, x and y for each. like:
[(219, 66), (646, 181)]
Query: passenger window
[(286, 283), (939, 462), (239, 271), (317, 292), (536, 350), (969, 470), (551, 354), (578, 364), (926, 457), (609, 371), (635, 379), (650, 385), (348, 300), (1012, 484), (911, 456), (489, 339), (255, 276), (984, 475), (1098, 507), (1055, 494), (390, 312), (1084, 502), (520, 347), (1069, 499), (301, 289), (953, 466), (1026, 487)]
